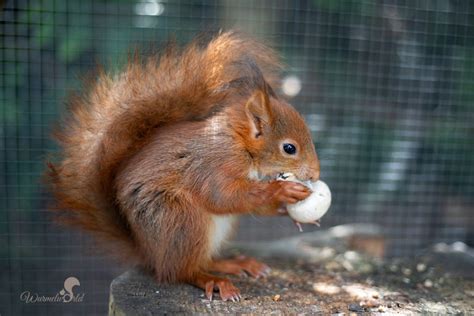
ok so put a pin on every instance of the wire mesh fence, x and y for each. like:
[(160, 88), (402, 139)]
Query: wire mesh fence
[(387, 88)]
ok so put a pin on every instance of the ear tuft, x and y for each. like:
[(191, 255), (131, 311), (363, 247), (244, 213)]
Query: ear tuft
[(258, 112)]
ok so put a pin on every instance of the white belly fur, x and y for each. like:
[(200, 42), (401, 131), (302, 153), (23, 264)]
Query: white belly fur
[(221, 227)]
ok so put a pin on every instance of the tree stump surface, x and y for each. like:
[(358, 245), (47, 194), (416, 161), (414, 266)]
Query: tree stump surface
[(337, 271)]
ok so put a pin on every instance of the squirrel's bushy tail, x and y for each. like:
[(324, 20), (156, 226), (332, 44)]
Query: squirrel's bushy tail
[(114, 117)]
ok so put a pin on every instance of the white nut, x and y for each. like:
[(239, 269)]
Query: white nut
[(314, 206)]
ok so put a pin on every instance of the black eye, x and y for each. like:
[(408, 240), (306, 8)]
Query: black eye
[(290, 149)]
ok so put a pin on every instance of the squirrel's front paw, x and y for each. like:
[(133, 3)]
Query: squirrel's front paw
[(289, 192)]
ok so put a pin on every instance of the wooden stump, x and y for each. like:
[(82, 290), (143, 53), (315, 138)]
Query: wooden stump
[(327, 272)]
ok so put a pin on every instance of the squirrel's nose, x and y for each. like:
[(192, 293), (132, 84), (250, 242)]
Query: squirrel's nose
[(314, 175), (311, 174)]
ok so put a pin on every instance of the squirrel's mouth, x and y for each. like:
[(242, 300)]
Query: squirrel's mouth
[(275, 176), (283, 175), (254, 174)]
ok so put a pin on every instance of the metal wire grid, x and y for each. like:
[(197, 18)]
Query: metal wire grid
[(386, 87)]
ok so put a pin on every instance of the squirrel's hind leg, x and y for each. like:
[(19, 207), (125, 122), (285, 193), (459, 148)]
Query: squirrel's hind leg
[(210, 283), (241, 266)]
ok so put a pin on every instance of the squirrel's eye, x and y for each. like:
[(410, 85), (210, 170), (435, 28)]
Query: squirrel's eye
[(290, 149)]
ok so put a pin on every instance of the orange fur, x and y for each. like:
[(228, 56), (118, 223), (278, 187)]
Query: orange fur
[(151, 154)]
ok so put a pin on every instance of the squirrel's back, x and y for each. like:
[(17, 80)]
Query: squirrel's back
[(114, 118)]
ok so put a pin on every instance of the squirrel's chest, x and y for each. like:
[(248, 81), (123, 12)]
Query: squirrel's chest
[(220, 230)]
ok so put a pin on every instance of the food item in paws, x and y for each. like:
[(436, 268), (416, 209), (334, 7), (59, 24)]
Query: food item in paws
[(313, 207)]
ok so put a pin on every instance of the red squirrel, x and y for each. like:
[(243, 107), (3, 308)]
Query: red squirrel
[(159, 160)]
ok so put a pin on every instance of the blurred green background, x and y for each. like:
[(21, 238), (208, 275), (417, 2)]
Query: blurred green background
[(387, 88)]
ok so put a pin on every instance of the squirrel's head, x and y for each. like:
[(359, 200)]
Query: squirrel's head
[(279, 139)]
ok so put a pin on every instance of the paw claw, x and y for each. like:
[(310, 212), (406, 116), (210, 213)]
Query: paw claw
[(209, 290)]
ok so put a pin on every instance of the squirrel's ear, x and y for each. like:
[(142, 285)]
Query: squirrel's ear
[(258, 112)]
